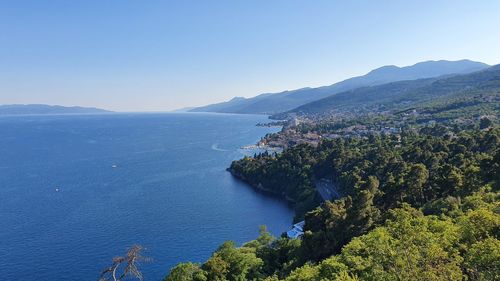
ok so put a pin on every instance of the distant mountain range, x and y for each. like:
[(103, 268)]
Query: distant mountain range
[(19, 109), (405, 94), (273, 103)]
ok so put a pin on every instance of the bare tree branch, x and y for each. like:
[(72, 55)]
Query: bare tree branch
[(130, 261)]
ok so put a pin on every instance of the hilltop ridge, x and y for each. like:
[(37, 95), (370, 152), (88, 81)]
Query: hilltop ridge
[(272, 103)]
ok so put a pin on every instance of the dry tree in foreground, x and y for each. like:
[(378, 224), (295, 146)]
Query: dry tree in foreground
[(125, 266)]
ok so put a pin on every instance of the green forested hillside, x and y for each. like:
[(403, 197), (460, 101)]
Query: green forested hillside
[(420, 207), (417, 167), (404, 94)]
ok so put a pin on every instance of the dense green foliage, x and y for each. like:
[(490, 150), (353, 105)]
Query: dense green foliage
[(459, 244), (420, 206), (288, 174), (378, 175), (414, 168)]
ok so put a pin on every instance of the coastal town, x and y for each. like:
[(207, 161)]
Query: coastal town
[(306, 131)]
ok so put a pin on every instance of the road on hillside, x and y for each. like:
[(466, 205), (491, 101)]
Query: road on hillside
[(327, 189)]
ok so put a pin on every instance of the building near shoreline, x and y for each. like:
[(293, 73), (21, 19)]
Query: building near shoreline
[(297, 230)]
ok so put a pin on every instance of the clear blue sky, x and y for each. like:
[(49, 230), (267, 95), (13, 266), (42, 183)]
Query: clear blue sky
[(160, 55)]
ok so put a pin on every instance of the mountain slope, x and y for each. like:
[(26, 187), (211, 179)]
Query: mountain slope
[(19, 109), (284, 101), (403, 93)]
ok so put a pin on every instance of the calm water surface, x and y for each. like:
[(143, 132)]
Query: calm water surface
[(77, 190)]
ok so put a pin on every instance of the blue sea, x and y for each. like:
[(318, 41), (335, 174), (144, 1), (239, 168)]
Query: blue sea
[(77, 190)]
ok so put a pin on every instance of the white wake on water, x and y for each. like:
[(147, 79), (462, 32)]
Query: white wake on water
[(216, 147)]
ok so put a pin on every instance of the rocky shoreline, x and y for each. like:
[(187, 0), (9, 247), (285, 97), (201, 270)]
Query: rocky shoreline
[(259, 187)]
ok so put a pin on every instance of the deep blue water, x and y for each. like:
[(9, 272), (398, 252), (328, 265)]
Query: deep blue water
[(168, 192)]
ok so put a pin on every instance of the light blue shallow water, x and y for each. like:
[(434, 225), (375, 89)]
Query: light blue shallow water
[(168, 192)]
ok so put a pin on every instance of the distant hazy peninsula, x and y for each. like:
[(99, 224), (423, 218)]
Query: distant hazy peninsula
[(22, 109)]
